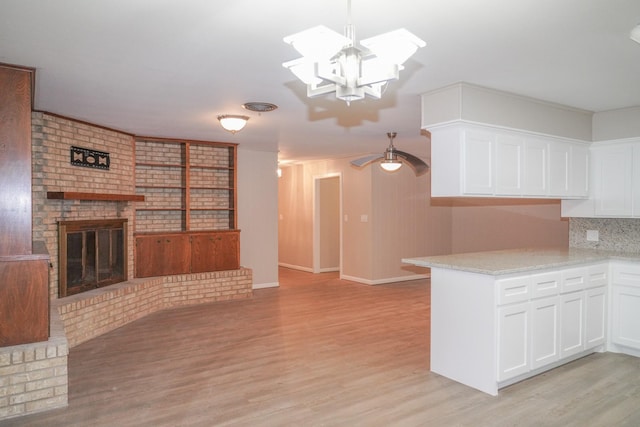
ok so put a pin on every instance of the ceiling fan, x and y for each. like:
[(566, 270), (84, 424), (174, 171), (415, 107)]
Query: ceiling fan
[(391, 159)]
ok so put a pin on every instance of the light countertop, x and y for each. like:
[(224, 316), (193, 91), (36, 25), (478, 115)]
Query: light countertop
[(519, 260)]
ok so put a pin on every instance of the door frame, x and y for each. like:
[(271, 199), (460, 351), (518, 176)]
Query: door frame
[(316, 220)]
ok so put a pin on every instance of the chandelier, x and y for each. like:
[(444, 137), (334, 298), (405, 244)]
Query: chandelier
[(332, 62)]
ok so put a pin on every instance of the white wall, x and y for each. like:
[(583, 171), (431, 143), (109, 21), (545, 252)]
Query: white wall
[(616, 124), (258, 215)]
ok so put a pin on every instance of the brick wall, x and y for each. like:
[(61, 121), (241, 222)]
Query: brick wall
[(52, 139), (33, 377)]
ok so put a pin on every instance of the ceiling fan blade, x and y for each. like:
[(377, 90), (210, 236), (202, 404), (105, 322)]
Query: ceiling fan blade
[(416, 163), (365, 160)]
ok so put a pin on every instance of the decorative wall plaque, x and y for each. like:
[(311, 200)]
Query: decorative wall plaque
[(89, 158)]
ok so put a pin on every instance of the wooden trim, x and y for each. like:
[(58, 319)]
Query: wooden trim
[(182, 141), (179, 233), (31, 70), (187, 184), (70, 195)]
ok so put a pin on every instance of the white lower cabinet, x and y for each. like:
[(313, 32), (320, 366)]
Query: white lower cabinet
[(546, 317), (595, 317), (544, 332), (491, 331), (513, 332), (572, 323), (625, 308)]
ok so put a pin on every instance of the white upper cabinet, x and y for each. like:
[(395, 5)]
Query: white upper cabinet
[(509, 159), (484, 161), (615, 182), (536, 154), (478, 158), (613, 179)]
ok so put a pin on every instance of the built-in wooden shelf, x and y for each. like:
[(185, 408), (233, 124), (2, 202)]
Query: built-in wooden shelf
[(70, 195)]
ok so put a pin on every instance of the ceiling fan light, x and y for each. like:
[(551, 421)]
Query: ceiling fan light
[(390, 165), (233, 123)]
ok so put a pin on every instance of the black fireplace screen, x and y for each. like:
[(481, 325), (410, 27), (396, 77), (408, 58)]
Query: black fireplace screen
[(92, 254)]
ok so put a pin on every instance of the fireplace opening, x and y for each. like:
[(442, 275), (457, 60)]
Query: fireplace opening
[(92, 254)]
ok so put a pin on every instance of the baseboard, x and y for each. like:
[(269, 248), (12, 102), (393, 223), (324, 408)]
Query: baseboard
[(266, 285), (387, 280), (295, 267), (329, 269)]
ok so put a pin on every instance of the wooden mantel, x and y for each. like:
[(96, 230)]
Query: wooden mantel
[(70, 195)]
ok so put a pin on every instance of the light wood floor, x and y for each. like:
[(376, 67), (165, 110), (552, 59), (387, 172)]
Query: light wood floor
[(316, 352)]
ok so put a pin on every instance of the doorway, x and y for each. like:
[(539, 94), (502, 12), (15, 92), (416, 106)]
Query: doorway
[(327, 226)]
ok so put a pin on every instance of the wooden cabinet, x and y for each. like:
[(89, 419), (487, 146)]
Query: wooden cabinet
[(475, 160), (24, 298), (165, 254), (162, 255), (24, 265), (15, 161), (190, 204), (214, 251)]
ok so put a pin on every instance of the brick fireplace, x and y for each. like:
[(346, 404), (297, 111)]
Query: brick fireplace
[(92, 254), (81, 316)]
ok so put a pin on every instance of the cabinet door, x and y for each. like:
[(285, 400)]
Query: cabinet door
[(508, 165), (227, 251), (535, 168), (571, 324), (595, 317), (625, 328), (513, 340), (162, 255), (544, 331), (579, 171), (203, 252), (214, 252), (558, 168), (613, 176), (635, 185), (477, 153)]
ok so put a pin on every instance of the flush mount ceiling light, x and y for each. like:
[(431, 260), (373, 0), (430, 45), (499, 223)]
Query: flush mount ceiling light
[(332, 62), (233, 123), (635, 34)]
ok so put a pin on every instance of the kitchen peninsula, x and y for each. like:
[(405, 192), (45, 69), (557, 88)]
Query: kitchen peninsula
[(500, 317)]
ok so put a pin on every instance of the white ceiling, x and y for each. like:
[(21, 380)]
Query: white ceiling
[(170, 67)]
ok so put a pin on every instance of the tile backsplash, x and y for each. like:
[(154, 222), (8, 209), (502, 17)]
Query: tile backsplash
[(619, 234)]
